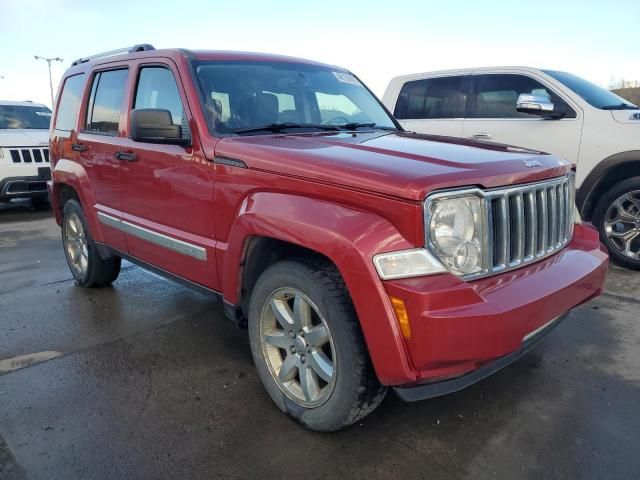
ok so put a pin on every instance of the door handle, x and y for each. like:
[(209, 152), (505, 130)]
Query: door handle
[(78, 147), (482, 136), (128, 156)]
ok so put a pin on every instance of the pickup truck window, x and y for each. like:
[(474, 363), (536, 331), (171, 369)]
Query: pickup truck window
[(496, 95), (241, 96), (105, 103), (441, 97), (591, 93)]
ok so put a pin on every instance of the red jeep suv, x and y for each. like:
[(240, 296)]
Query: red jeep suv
[(359, 255)]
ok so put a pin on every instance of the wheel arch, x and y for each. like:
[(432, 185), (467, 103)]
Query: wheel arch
[(607, 173), (273, 226), (70, 180)]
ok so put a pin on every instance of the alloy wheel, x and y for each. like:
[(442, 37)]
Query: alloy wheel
[(622, 224), (75, 243), (298, 348)]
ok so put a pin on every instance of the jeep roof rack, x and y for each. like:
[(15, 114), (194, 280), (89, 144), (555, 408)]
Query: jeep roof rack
[(141, 47)]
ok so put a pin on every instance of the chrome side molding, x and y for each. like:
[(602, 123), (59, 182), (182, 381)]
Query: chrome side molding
[(170, 243)]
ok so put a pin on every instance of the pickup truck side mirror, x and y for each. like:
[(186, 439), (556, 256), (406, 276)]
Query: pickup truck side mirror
[(534, 104), (155, 125)]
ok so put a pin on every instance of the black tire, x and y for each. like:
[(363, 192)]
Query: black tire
[(356, 391), (599, 215), (98, 272)]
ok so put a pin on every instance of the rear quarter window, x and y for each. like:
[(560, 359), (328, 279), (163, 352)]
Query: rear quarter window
[(67, 113)]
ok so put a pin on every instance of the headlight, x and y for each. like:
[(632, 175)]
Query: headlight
[(456, 232), (407, 263), (1, 154)]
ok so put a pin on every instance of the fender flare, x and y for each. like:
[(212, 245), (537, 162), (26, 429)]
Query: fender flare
[(349, 238), (68, 172), (586, 197)]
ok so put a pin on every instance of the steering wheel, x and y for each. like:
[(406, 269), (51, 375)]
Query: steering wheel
[(336, 121)]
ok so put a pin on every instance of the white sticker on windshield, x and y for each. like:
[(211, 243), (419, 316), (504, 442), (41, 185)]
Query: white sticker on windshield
[(44, 114), (346, 78)]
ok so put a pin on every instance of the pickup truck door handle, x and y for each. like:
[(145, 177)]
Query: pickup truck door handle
[(128, 156), (482, 136), (78, 147)]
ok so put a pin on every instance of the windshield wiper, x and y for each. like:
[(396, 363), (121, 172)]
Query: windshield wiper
[(620, 106), (280, 126), (356, 125)]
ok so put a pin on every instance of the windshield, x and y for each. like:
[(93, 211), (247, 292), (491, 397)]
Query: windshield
[(242, 96), (19, 116), (590, 92)]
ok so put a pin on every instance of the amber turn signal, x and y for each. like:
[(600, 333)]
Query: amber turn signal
[(401, 316)]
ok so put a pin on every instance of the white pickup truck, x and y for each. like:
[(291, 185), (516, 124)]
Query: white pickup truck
[(545, 110), (24, 152)]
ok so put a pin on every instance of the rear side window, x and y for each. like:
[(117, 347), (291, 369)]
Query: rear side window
[(495, 96), (67, 113), (105, 102), (442, 97)]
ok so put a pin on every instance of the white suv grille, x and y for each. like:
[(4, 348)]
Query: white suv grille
[(29, 155)]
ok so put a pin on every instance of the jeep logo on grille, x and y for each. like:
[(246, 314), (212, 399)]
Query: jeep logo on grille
[(531, 163)]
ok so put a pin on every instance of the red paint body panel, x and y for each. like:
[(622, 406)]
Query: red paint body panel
[(346, 196), (458, 326), (395, 164)]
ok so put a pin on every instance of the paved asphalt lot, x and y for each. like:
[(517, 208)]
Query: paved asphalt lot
[(148, 380)]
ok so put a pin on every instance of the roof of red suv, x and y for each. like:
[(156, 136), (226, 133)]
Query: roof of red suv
[(147, 51)]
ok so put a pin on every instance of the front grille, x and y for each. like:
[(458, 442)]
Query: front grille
[(29, 155), (529, 222)]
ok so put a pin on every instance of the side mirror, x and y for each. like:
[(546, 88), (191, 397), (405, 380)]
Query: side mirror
[(534, 104), (154, 125)]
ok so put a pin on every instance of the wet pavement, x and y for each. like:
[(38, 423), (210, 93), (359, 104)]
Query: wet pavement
[(147, 379)]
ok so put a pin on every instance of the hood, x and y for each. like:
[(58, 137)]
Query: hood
[(626, 116), (13, 137), (398, 164)]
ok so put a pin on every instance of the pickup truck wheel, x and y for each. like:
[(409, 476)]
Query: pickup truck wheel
[(308, 347), (86, 265), (617, 217)]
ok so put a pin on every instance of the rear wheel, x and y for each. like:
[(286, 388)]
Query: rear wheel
[(617, 217), (308, 347), (85, 263)]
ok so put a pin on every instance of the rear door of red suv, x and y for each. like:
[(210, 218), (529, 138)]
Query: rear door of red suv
[(167, 189), (100, 136)]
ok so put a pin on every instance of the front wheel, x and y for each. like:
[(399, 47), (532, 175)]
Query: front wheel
[(85, 263), (617, 217), (308, 347)]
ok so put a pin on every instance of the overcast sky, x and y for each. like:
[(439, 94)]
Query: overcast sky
[(376, 39)]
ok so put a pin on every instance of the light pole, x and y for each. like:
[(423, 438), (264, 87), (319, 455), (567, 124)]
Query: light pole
[(49, 60)]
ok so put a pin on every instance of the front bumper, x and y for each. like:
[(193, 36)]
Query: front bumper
[(445, 387), (25, 186), (464, 331)]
